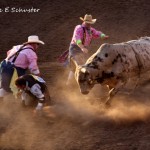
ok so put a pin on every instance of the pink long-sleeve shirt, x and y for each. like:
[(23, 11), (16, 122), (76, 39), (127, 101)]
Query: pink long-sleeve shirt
[(27, 58), (78, 35)]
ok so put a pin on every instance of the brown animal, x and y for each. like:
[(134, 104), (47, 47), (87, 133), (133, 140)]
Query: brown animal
[(113, 65)]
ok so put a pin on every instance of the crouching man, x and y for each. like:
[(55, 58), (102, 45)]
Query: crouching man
[(34, 91)]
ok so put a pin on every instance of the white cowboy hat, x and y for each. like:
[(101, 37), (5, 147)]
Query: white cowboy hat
[(34, 39), (88, 19)]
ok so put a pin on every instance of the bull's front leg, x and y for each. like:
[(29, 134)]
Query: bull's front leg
[(112, 92)]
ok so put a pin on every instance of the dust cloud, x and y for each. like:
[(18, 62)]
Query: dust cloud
[(123, 109), (74, 112)]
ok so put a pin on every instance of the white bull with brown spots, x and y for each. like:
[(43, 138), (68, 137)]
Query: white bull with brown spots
[(113, 65)]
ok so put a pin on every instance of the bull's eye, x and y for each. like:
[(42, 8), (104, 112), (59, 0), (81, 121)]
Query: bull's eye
[(106, 55), (90, 81)]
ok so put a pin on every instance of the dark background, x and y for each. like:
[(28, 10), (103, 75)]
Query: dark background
[(122, 20)]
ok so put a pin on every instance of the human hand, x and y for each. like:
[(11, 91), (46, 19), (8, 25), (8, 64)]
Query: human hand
[(85, 50), (105, 37), (19, 93)]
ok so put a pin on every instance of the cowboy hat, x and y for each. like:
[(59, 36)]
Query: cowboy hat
[(34, 39), (88, 19)]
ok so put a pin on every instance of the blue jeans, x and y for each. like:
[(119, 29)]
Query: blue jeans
[(7, 70)]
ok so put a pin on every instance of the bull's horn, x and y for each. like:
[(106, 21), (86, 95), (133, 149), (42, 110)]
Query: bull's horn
[(74, 61)]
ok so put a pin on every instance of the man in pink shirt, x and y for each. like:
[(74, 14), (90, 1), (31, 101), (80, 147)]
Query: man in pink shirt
[(22, 57), (81, 40)]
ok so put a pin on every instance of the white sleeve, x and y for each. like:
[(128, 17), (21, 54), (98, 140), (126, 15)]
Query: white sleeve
[(36, 91)]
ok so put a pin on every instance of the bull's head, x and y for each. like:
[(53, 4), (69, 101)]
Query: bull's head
[(83, 78), (100, 68)]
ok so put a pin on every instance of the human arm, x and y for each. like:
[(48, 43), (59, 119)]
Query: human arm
[(99, 34), (104, 36), (32, 59), (78, 37), (36, 91), (85, 50)]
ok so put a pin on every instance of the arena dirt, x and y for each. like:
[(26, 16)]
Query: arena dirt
[(75, 122)]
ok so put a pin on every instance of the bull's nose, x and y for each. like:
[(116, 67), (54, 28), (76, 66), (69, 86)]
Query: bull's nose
[(84, 92)]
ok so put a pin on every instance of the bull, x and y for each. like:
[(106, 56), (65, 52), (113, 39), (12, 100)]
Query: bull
[(113, 65)]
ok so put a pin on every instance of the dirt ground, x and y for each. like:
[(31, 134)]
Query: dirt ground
[(75, 121)]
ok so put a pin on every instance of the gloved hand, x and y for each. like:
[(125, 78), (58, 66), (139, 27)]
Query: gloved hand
[(39, 106), (104, 37), (19, 93), (38, 110)]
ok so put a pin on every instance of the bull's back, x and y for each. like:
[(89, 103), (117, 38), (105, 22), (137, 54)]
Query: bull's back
[(131, 57), (141, 49)]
